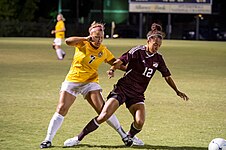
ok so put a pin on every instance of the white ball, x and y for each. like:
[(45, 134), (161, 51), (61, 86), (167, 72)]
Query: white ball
[(217, 144)]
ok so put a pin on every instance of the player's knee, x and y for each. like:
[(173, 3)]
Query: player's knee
[(139, 123), (57, 47), (61, 109), (102, 117), (99, 109)]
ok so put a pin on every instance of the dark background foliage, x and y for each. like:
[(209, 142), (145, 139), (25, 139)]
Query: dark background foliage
[(37, 17)]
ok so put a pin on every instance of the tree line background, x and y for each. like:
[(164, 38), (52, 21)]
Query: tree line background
[(35, 18)]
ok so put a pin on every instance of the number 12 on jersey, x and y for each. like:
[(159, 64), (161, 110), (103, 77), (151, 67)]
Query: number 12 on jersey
[(148, 72)]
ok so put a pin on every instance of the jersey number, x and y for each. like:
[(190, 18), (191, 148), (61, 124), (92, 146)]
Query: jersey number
[(92, 59), (148, 72)]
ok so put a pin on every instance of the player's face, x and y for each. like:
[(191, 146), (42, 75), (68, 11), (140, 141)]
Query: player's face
[(59, 17), (154, 43), (97, 37)]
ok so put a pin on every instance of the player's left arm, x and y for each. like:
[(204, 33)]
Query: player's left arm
[(172, 84)]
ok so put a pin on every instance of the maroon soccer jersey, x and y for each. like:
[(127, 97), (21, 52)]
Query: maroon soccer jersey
[(141, 68)]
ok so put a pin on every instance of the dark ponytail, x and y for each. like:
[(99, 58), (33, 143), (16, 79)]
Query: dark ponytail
[(156, 29)]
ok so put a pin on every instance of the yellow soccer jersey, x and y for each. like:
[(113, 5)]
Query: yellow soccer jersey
[(60, 26), (84, 67)]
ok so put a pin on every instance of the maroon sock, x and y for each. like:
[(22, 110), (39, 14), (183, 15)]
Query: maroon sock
[(133, 131), (90, 127)]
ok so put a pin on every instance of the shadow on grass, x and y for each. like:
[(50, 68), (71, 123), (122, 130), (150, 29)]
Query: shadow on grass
[(153, 147)]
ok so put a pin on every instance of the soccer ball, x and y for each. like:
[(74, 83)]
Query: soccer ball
[(217, 144)]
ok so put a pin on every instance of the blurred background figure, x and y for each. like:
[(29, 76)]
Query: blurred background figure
[(59, 36)]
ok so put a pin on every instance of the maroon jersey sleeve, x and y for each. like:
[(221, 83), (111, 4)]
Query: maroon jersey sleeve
[(163, 68), (126, 57)]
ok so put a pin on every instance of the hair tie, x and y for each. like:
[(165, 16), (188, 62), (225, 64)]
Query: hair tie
[(155, 34), (98, 28)]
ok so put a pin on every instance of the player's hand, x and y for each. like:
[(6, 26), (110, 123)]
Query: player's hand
[(183, 95), (110, 73), (90, 38), (53, 31)]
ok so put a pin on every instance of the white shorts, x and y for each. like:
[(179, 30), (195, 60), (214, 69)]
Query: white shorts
[(57, 41), (79, 88)]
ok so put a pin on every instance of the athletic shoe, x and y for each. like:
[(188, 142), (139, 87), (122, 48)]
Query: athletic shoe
[(128, 141), (45, 144), (137, 141), (71, 142), (63, 55)]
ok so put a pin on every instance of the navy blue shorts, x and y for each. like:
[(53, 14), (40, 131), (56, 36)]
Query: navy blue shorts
[(122, 94)]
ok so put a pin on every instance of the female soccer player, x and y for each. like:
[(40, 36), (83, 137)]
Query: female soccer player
[(142, 62), (82, 78), (59, 36)]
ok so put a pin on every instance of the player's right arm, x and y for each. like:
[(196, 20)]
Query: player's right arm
[(73, 41)]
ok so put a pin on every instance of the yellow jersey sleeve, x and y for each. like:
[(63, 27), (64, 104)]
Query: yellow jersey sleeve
[(86, 61), (60, 26), (110, 56)]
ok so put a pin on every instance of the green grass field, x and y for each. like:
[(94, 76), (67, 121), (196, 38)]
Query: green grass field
[(30, 77)]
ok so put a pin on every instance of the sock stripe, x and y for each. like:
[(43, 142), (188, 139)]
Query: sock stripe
[(135, 127), (94, 120)]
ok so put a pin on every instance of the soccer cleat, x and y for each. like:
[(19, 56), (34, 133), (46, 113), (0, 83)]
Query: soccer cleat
[(137, 141), (45, 144), (63, 55), (128, 141), (71, 142)]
